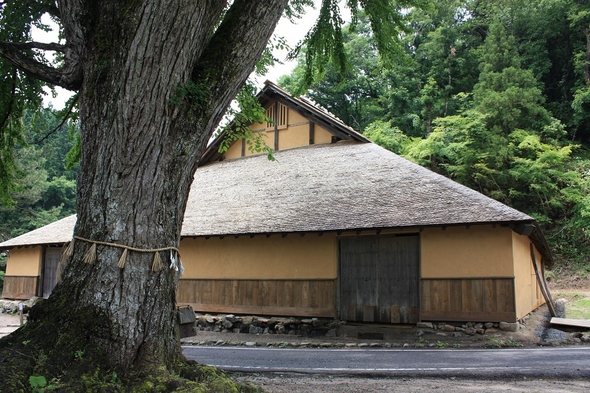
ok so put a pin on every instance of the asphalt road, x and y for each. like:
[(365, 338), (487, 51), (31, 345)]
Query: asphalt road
[(565, 362)]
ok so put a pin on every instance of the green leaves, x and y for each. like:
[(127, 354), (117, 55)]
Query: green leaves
[(391, 138), (354, 96), (324, 43), (37, 382), (249, 112)]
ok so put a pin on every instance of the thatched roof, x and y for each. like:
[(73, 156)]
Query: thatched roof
[(319, 188), (347, 185), (56, 233)]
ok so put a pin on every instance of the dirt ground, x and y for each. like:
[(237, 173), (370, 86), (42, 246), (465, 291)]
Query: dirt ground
[(566, 277), (334, 384), (8, 323)]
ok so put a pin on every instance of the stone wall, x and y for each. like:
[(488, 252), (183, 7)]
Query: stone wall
[(315, 327), (230, 323)]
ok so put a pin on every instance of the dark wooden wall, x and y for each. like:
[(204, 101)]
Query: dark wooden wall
[(379, 278), (310, 298), (20, 287), (468, 299)]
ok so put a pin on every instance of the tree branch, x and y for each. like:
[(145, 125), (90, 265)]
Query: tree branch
[(66, 117), (12, 53), (51, 9), (12, 98), (39, 45), (234, 49), (76, 19)]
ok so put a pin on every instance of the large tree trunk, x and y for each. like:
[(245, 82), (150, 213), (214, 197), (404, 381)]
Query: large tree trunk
[(156, 78)]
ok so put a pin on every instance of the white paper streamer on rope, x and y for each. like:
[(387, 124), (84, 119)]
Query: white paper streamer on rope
[(175, 262)]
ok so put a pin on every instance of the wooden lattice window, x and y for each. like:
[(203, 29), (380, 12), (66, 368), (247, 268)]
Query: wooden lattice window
[(277, 115)]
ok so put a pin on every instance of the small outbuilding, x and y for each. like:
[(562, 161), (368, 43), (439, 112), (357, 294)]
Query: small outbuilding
[(336, 227)]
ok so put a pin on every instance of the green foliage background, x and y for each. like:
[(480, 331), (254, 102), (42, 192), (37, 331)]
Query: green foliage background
[(44, 190)]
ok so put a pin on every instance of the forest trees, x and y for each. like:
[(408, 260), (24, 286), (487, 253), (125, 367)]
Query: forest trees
[(506, 145), (493, 94), (45, 190), (154, 79)]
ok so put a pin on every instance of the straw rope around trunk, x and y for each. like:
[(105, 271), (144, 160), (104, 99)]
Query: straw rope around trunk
[(90, 256)]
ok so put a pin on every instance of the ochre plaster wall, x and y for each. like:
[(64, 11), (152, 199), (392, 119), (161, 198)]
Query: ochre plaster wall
[(458, 252), (235, 150), (261, 257), (24, 261), (321, 135), (295, 117), (528, 292), (295, 135)]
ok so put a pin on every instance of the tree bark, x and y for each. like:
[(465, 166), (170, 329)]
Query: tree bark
[(155, 79)]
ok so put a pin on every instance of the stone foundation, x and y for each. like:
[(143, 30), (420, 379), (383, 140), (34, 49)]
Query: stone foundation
[(317, 327), (470, 328), (308, 327)]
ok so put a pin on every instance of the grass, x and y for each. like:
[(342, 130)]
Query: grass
[(578, 309), (497, 343), (577, 305)]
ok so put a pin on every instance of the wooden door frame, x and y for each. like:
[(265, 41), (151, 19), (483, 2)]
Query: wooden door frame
[(39, 290), (41, 283)]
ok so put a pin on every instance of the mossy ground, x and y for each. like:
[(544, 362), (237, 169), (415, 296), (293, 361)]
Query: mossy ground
[(188, 376), (192, 378)]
